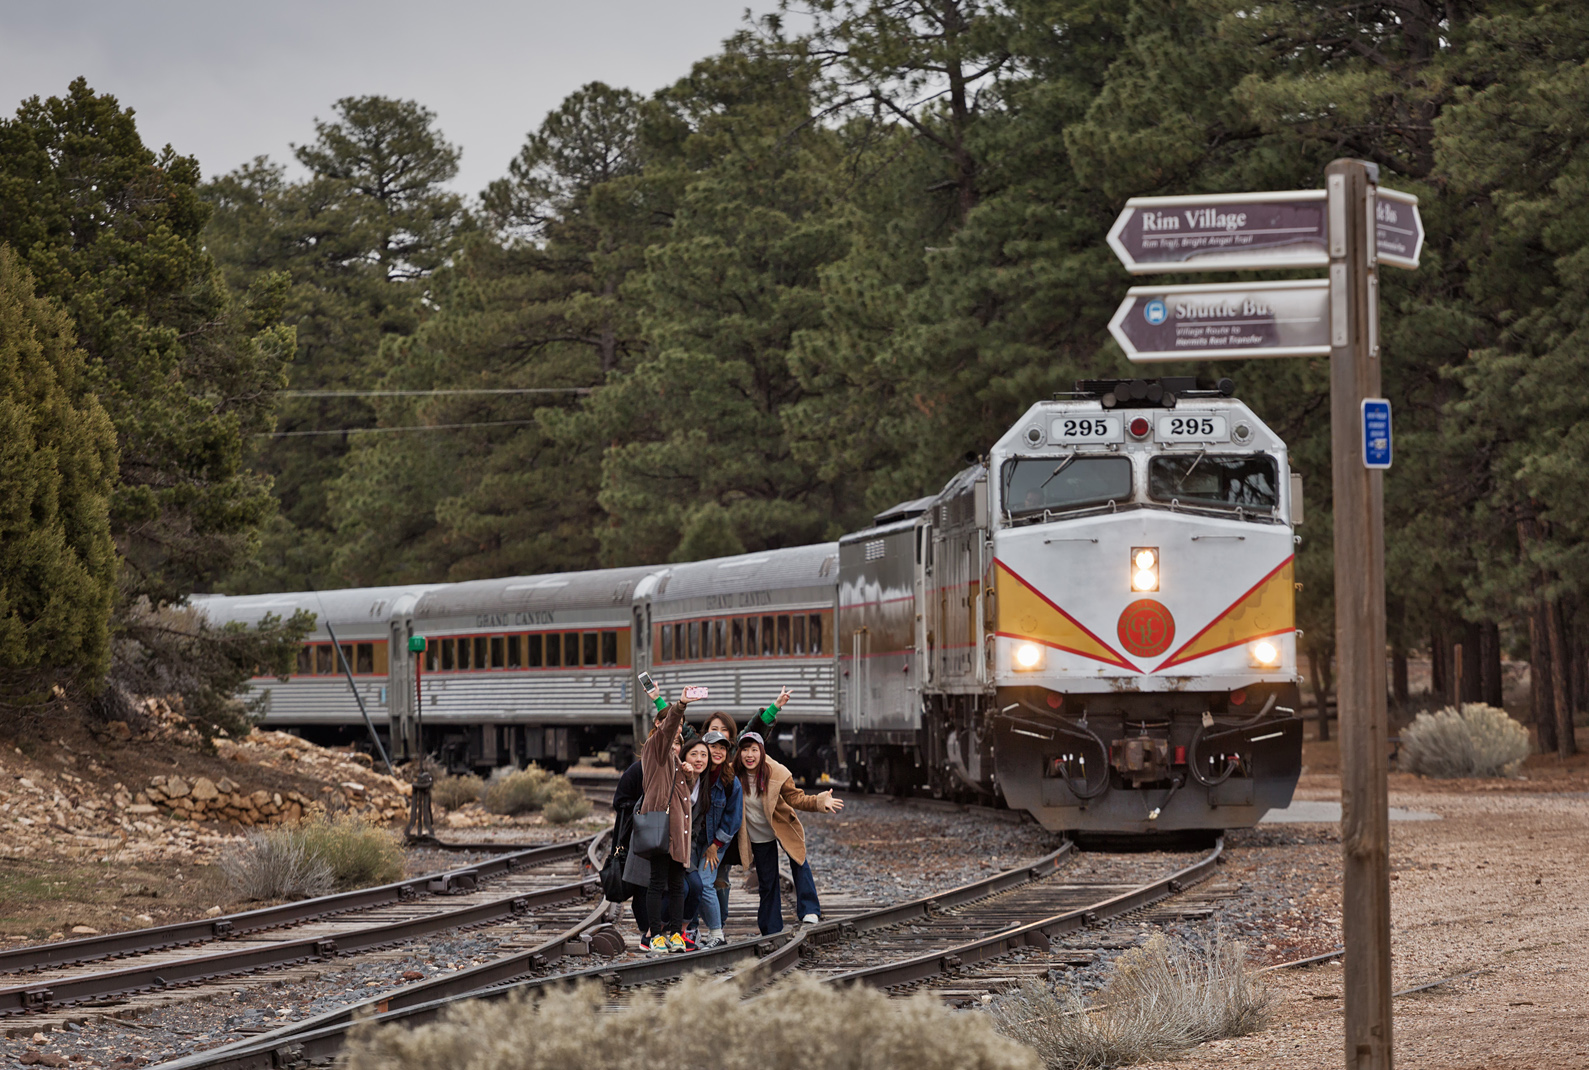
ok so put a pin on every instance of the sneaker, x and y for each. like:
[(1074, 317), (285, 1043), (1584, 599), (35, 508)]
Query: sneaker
[(674, 943), (709, 941), (810, 919), (658, 945), (690, 943)]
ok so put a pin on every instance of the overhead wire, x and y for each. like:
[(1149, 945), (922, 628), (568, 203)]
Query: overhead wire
[(389, 430)]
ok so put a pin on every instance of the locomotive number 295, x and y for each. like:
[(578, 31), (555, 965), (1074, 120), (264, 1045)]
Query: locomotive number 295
[(1085, 429), (1188, 428)]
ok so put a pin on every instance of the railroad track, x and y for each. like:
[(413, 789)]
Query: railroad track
[(999, 921), (513, 887)]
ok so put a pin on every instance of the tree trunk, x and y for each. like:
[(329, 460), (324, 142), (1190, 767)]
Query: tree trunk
[(1472, 664), (1490, 674), (1539, 684), (1399, 689), (1439, 668), (1319, 673), (1566, 741)]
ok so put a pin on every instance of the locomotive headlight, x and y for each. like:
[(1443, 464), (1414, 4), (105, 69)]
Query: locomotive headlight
[(1028, 656), (1265, 653), (1144, 568)]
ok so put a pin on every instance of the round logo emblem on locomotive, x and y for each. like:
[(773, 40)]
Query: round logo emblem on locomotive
[(1146, 628)]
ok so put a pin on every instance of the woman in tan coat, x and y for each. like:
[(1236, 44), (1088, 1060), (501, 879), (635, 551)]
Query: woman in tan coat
[(771, 799)]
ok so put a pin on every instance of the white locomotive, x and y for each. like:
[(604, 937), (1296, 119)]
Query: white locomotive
[(1094, 622)]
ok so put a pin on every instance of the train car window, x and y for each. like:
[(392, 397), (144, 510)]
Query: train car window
[(736, 638), (481, 645), (592, 642), (783, 633), (570, 649), (532, 651), (322, 659), (751, 647), (463, 653), (815, 632), (609, 648), (667, 643), (364, 660), (798, 639), (430, 654), (347, 658), (695, 640), (719, 640), (499, 652), (678, 642), (514, 661), (306, 661), (1035, 484), (554, 650), (1247, 481), (447, 662), (766, 637)]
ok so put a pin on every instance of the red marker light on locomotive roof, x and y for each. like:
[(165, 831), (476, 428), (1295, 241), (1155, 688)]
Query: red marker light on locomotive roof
[(1238, 698), (1139, 427)]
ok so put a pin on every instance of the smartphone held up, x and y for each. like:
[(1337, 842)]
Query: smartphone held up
[(694, 692)]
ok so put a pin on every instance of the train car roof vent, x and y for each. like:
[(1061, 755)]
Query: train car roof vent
[(827, 565), (904, 510)]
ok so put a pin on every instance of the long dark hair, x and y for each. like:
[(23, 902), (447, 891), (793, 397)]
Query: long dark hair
[(744, 774)]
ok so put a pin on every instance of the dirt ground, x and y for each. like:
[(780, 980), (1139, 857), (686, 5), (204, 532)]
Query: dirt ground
[(1494, 896)]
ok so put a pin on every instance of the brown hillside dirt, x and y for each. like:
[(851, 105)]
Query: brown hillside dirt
[(82, 844), (1493, 898)]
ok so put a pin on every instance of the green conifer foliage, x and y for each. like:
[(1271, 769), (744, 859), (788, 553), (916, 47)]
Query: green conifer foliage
[(57, 465)]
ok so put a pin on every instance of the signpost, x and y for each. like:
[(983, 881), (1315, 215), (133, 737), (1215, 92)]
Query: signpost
[(1222, 232), (1260, 319), (1352, 227)]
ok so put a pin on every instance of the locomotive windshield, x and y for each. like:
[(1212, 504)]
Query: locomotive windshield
[(1033, 485), (1247, 481)]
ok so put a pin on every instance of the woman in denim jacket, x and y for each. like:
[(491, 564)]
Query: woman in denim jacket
[(724, 812)]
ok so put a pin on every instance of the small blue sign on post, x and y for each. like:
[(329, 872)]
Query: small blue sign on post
[(1376, 433)]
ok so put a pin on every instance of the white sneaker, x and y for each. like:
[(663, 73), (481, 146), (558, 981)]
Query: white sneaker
[(710, 941), (810, 919)]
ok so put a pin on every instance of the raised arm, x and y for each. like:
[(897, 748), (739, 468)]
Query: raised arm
[(769, 715)]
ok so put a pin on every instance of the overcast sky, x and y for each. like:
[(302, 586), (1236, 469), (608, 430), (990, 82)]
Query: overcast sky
[(227, 81)]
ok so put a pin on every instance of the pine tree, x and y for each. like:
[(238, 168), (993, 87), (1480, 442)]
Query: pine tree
[(57, 466)]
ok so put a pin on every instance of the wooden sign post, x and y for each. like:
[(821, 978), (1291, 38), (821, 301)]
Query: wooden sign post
[(1361, 227)]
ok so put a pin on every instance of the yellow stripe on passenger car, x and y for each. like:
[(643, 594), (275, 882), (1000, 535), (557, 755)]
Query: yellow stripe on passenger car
[(1024, 612), (1268, 608)]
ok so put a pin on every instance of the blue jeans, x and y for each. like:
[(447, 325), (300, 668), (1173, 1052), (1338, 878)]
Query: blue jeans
[(769, 917), (710, 909)]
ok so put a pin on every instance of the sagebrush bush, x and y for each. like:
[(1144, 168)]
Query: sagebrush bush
[(1162, 998), (451, 792), (359, 854), (313, 857), (565, 803), (1475, 741), (696, 1023), (524, 791), (275, 865)]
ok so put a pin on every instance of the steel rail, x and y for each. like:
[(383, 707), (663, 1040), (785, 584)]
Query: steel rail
[(767, 957), (158, 938), (1032, 934)]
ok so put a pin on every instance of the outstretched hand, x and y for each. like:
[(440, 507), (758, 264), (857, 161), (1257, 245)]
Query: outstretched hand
[(783, 698), (832, 805)]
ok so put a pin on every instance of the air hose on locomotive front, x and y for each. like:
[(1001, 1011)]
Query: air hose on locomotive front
[(1233, 762), (1080, 731)]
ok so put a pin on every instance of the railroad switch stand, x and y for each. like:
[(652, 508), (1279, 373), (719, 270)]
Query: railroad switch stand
[(421, 819)]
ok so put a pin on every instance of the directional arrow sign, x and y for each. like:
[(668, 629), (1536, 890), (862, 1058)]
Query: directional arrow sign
[(1260, 319), (1222, 232), (1398, 228)]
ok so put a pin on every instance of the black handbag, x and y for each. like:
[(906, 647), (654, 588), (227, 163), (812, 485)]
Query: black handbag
[(614, 888), (648, 836)]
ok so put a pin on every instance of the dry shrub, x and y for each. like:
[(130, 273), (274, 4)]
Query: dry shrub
[(802, 1025), (527, 790), (451, 792), (275, 865), (1162, 999), (312, 858), (359, 854), (1475, 741), (565, 803)]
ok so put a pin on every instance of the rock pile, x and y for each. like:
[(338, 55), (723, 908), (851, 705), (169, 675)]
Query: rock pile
[(351, 783), (223, 800)]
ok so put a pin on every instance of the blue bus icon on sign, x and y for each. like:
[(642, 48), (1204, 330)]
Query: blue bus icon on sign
[(1155, 312), (1376, 433)]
